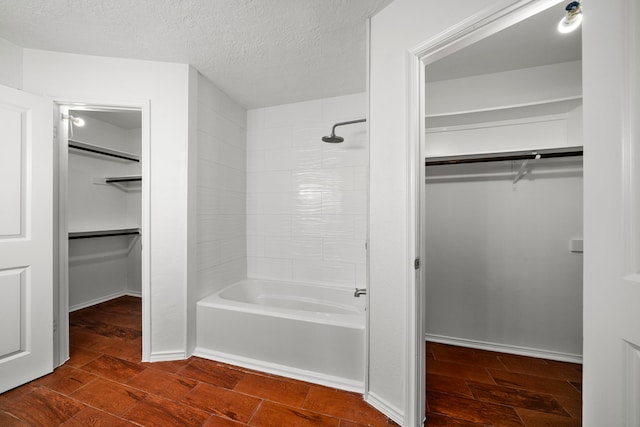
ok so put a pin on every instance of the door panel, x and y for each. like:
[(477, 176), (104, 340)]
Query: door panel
[(26, 251), (11, 166)]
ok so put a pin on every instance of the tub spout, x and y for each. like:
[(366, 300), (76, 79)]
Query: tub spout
[(359, 291)]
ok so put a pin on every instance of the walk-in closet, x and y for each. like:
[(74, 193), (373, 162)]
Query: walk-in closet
[(103, 205), (502, 218)]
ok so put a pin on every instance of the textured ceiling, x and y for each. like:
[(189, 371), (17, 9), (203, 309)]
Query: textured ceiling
[(260, 52)]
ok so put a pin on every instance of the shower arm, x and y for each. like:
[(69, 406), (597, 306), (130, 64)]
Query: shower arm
[(333, 129)]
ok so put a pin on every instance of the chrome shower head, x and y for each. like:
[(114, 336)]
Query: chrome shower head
[(333, 138)]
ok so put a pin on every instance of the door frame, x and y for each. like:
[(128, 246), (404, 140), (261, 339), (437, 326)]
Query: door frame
[(61, 230), (467, 32)]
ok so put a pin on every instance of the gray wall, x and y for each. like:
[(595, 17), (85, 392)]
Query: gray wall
[(498, 265)]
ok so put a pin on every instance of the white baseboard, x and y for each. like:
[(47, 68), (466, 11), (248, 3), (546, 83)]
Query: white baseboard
[(385, 407), (104, 299), (167, 356), (505, 348), (282, 370)]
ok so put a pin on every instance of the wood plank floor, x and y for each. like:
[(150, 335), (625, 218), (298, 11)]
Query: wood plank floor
[(105, 384), (472, 388)]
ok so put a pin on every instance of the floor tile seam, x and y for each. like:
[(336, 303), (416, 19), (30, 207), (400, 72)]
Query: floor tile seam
[(152, 393), (461, 419), (120, 417), (527, 408), (56, 392), (513, 408), (546, 393), (79, 388), (565, 380), (255, 411), (302, 408), (534, 374), (18, 418), (245, 393)]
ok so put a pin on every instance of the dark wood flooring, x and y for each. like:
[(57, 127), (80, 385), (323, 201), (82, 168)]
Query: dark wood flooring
[(105, 384), (473, 388)]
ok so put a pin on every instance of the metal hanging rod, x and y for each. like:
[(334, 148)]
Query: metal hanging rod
[(122, 179), (509, 155), (78, 145), (103, 233)]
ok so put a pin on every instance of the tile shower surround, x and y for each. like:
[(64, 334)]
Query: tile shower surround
[(306, 199)]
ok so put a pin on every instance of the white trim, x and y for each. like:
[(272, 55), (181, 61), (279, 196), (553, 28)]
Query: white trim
[(104, 299), (282, 370), (414, 410), (385, 407), (367, 324), (505, 348), (144, 107), (477, 27), (167, 356)]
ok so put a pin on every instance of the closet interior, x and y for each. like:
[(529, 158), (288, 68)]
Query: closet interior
[(104, 205), (502, 217)]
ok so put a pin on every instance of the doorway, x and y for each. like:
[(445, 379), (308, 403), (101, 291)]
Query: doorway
[(101, 215), (446, 46)]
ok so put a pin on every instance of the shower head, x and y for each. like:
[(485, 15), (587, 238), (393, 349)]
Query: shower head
[(333, 138)]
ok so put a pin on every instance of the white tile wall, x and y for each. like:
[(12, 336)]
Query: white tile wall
[(221, 190), (307, 200)]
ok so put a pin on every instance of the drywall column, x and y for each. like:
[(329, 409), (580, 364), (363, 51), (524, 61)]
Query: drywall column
[(394, 31), (165, 86)]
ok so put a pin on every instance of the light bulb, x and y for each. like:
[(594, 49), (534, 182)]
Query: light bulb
[(78, 121), (570, 23)]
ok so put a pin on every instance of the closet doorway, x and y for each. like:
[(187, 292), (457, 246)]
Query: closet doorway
[(101, 221), (501, 213)]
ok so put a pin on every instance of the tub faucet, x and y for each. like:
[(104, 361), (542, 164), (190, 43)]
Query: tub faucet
[(359, 291)]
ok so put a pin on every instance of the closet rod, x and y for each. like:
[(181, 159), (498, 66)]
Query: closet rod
[(123, 179), (103, 233), (510, 155), (100, 150)]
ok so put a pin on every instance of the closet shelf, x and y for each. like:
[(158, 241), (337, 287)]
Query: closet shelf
[(83, 146), (103, 233), (507, 155)]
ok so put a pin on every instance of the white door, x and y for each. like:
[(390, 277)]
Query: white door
[(26, 243), (611, 63)]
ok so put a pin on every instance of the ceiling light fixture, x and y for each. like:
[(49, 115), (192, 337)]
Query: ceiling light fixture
[(78, 121), (572, 19)]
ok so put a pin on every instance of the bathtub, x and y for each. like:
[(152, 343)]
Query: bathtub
[(313, 333)]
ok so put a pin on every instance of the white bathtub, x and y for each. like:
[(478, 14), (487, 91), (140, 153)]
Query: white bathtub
[(310, 332)]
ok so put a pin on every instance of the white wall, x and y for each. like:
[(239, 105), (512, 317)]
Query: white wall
[(399, 27), (611, 109), (220, 193), (165, 86), (103, 267), (506, 89), (498, 266), (11, 60), (306, 201)]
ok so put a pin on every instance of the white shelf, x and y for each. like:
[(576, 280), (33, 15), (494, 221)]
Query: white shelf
[(512, 114)]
